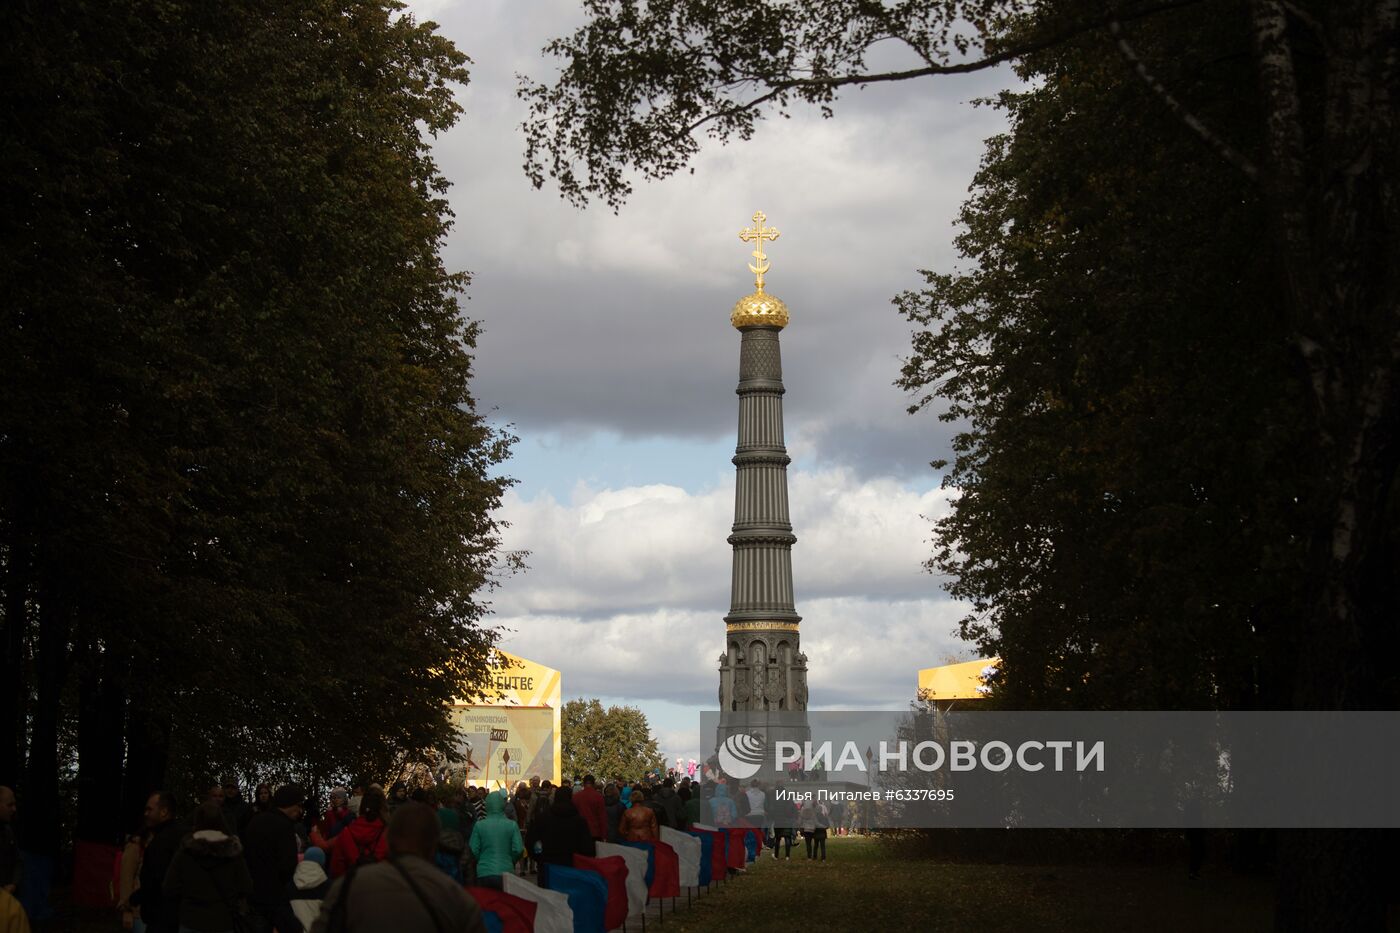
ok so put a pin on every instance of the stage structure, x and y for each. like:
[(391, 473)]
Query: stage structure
[(966, 680), (763, 672), (516, 735)]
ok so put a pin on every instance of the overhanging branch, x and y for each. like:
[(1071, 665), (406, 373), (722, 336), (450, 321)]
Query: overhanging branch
[(981, 64)]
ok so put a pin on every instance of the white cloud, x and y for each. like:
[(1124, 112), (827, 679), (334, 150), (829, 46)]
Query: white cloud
[(614, 551), (628, 588), (645, 548)]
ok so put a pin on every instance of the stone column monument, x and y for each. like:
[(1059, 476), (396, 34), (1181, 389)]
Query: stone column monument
[(763, 672)]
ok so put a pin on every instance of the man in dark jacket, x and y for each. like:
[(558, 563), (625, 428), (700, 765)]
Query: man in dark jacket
[(561, 832), (667, 804), (160, 914), (237, 812), (271, 848), (398, 796)]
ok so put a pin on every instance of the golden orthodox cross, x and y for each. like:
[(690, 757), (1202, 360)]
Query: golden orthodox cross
[(760, 233)]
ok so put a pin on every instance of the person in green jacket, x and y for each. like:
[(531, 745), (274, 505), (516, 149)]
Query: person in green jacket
[(495, 842)]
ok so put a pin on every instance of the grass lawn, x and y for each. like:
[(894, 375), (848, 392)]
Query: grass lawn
[(861, 887)]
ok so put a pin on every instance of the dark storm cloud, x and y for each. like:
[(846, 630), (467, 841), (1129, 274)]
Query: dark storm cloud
[(561, 354), (904, 449), (620, 324), (566, 357)]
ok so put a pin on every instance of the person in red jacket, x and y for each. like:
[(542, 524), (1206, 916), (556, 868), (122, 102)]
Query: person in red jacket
[(590, 806), (337, 818), (363, 841)]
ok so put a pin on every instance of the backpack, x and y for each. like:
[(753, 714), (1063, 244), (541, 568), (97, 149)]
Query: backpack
[(338, 922), (366, 855), (452, 847), (450, 864), (723, 810)]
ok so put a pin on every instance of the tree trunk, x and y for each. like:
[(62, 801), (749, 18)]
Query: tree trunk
[(101, 746), (42, 825), (147, 753), (1332, 216), (12, 642)]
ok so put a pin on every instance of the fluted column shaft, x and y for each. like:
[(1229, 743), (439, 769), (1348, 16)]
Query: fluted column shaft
[(762, 668), (762, 537)]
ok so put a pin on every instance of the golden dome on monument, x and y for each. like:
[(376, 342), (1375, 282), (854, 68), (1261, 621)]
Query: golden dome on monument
[(759, 310)]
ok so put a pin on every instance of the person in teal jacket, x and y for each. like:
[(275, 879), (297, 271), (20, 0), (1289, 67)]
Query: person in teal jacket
[(495, 842)]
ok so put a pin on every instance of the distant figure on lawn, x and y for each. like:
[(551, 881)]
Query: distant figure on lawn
[(814, 818), (783, 814)]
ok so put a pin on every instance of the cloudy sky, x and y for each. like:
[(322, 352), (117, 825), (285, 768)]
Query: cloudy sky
[(607, 348)]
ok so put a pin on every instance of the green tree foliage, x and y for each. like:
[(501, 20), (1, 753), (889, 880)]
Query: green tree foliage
[(1126, 529), (247, 499), (1141, 479), (1178, 354), (1149, 487), (642, 77), (607, 743), (1295, 104)]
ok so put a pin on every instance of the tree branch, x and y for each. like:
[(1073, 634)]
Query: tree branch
[(1308, 20), (981, 64), (1283, 142), (1387, 21), (731, 111), (917, 49), (1223, 149)]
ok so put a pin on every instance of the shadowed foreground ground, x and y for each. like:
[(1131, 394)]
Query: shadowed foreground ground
[(862, 887)]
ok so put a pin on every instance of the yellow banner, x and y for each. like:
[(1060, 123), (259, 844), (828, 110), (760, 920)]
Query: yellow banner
[(515, 735), (965, 681)]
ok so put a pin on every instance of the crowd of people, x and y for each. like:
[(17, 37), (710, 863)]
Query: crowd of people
[(282, 863)]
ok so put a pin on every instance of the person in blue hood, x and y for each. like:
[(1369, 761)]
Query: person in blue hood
[(722, 808)]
